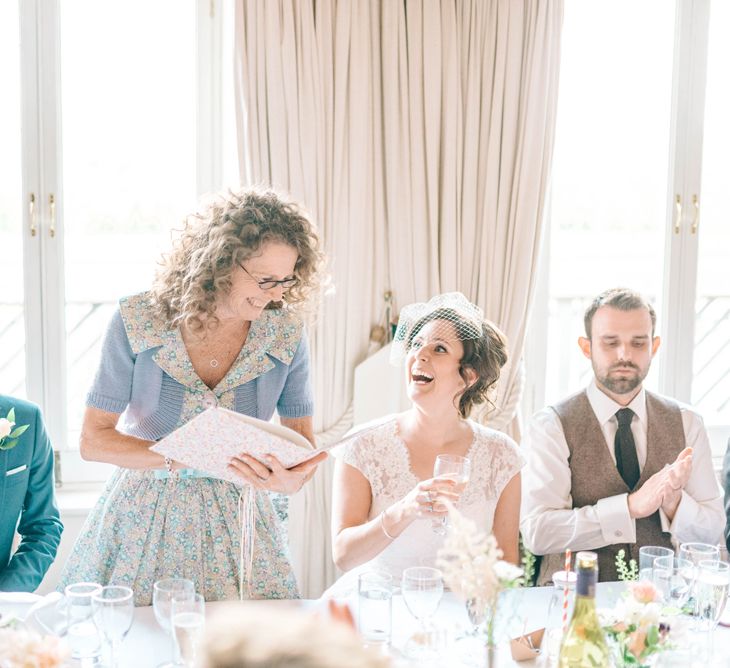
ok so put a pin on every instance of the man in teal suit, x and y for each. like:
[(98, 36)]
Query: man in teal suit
[(26, 499)]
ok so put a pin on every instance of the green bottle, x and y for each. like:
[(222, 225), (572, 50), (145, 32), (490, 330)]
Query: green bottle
[(584, 644)]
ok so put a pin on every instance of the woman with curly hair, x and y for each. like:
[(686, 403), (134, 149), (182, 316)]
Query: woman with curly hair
[(221, 326), (387, 505)]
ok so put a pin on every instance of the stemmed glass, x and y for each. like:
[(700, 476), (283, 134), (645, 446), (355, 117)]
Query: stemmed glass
[(713, 579), (422, 588), (81, 633), (188, 621), (696, 552), (113, 610), (673, 577), (163, 593), (457, 469)]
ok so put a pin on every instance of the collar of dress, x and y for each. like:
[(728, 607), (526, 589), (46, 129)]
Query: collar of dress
[(275, 334)]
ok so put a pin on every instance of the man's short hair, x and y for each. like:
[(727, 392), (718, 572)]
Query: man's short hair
[(622, 299)]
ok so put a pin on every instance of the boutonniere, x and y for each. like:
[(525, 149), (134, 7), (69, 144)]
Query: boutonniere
[(8, 435)]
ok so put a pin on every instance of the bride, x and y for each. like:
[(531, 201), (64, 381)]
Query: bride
[(385, 496)]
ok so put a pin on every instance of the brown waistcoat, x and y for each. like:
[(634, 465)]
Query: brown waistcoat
[(594, 474)]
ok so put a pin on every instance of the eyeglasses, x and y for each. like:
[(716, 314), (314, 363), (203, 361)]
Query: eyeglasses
[(270, 284)]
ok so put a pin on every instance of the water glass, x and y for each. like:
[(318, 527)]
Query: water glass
[(163, 593), (673, 577), (696, 552), (82, 635), (713, 578), (647, 555), (450, 467), (113, 610), (422, 588), (188, 624), (374, 597)]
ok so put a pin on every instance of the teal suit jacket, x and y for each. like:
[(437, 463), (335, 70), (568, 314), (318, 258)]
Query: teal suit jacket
[(27, 502)]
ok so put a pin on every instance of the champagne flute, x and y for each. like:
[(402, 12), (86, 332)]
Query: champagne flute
[(188, 621), (422, 588), (457, 469), (113, 610), (163, 593), (713, 579)]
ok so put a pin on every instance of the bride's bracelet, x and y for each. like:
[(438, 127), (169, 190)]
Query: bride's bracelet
[(382, 526)]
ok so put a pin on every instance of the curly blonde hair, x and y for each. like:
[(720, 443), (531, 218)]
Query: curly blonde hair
[(230, 230)]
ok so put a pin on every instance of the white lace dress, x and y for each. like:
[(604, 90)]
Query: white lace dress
[(382, 457)]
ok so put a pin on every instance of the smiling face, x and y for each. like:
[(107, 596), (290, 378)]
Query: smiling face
[(621, 348), (246, 300), (433, 380)]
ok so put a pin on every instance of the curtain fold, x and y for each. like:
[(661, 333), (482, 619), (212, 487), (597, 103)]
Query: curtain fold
[(419, 134)]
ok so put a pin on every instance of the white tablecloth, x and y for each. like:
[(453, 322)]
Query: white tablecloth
[(147, 645)]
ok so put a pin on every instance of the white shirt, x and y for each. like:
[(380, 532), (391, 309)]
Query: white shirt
[(550, 524)]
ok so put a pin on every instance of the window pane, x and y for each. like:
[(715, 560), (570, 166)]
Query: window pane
[(610, 168), (128, 110), (711, 382), (12, 325)]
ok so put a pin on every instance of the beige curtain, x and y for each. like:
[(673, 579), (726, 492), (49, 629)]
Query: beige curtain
[(419, 134)]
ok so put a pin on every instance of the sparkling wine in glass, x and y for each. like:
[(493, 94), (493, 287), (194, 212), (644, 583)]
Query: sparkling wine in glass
[(188, 623), (113, 610), (163, 593), (457, 469), (422, 588)]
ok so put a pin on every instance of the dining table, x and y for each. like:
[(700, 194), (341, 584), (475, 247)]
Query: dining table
[(522, 611)]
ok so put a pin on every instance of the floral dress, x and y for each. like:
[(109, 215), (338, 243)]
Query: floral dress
[(148, 525)]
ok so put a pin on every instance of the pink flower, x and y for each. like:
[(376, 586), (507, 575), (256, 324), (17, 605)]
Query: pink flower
[(644, 591), (6, 426)]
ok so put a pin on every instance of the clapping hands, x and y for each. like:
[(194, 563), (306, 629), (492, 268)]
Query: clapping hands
[(663, 490)]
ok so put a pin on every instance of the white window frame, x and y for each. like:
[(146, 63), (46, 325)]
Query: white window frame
[(42, 180)]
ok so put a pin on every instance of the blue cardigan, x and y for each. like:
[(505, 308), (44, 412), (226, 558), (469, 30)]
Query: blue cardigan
[(27, 502)]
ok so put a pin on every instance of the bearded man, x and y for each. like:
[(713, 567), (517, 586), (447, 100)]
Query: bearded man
[(616, 466)]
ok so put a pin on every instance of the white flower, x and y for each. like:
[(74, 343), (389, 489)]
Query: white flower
[(6, 426), (507, 572)]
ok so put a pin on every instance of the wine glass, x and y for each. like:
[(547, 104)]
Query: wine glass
[(696, 552), (457, 469), (673, 577), (188, 621), (713, 579), (113, 610), (422, 588), (163, 593)]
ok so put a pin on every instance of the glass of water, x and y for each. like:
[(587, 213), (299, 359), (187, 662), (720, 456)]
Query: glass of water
[(163, 593), (113, 610), (82, 635), (713, 579), (647, 555), (374, 610), (696, 552), (673, 577), (457, 469), (422, 588), (188, 624)]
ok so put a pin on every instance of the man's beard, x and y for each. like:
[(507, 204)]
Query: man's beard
[(625, 384)]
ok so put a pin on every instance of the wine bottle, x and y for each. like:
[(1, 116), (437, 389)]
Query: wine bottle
[(584, 644)]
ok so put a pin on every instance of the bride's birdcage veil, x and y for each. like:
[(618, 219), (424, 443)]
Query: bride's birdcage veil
[(455, 318)]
